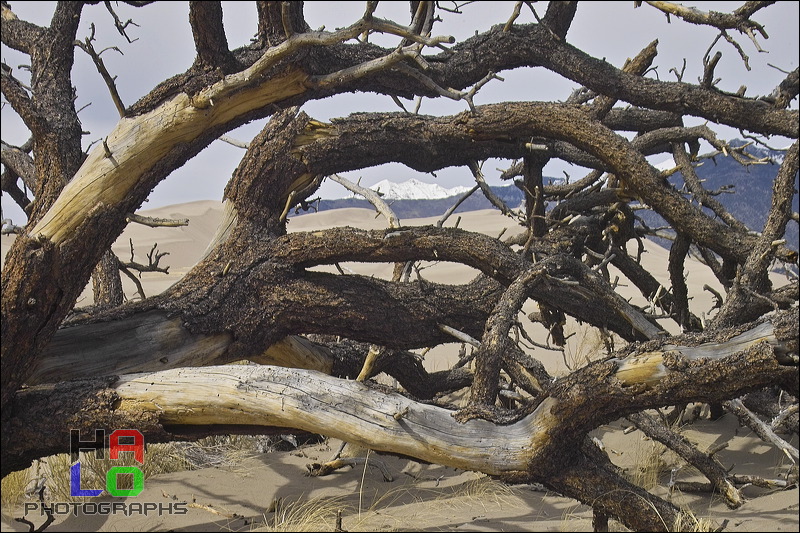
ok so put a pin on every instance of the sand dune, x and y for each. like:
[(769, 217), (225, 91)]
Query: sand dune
[(186, 244)]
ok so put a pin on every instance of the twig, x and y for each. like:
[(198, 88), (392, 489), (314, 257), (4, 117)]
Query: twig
[(300, 41), (460, 335), (680, 445), (153, 258), (452, 209), (9, 228), (718, 300), (371, 196), (139, 288), (447, 92), (739, 49), (47, 510), (606, 260), (513, 17), (708, 73), (397, 101), (323, 469), (119, 24), (234, 142), (783, 415), (761, 429), (491, 196), (287, 206), (464, 358), (87, 47), (689, 486), (154, 222), (210, 510), (338, 452)]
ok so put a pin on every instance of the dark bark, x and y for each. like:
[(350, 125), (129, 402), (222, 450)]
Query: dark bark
[(21, 163), (209, 37), (106, 281), (523, 45), (710, 467), (677, 256), (58, 143), (256, 286), (274, 20)]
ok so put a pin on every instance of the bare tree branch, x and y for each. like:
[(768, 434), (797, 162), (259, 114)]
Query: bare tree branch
[(19, 34), (20, 162), (259, 287), (373, 198), (87, 47), (157, 222), (209, 36), (752, 277)]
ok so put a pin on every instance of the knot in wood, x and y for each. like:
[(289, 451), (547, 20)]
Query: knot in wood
[(675, 360)]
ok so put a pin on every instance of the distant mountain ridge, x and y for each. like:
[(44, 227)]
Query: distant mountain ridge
[(415, 207), (746, 193), (412, 189)]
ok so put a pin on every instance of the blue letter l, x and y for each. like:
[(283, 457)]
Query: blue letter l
[(75, 483)]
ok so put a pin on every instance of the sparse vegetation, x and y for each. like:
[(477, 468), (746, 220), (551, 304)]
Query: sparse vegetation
[(314, 514), (222, 451), (651, 464), (584, 345), (13, 489), (482, 491)]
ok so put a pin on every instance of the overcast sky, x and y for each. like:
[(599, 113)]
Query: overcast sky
[(610, 30)]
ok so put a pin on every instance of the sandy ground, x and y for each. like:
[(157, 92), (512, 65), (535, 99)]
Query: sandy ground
[(421, 497)]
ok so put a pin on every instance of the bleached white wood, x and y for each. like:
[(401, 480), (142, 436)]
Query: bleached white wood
[(348, 410), (114, 167)]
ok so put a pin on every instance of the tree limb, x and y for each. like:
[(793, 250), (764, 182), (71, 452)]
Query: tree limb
[(209, 36), (87, 47), (158, 404)]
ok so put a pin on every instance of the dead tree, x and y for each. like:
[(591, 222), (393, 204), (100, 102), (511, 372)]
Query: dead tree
[(253, 296)]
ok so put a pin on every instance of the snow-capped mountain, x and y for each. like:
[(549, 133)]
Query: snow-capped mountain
[(666, 164), (775, 156), (414, 189)]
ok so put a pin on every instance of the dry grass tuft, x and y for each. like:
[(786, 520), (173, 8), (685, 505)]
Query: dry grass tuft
[(387, 510), (652, 462), (13, 488), (688, 521), (584, 345), (158, 459), (314, 514), (54, 471), (482, 490)]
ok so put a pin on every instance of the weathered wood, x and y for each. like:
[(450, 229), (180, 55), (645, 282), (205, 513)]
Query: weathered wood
[(149, 341), (143, 342), (649, 367), (255, 286), (702, 461), (535, 447), (137, 143), (761, 429), (352, 411), (297, 352), (323, 469)]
